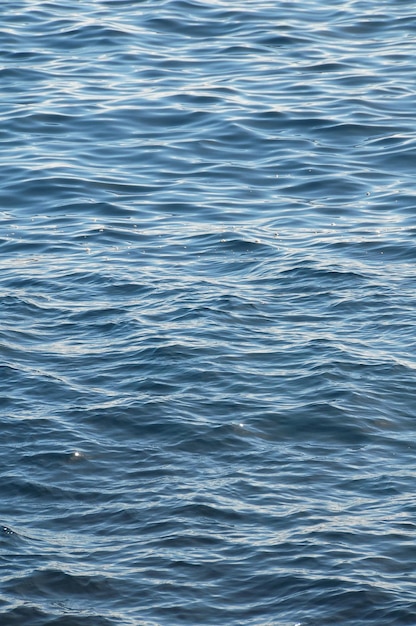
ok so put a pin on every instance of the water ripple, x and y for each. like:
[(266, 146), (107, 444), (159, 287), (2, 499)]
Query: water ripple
[(207, 304)]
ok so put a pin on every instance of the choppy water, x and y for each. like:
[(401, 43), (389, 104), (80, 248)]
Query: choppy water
[(207, 296)]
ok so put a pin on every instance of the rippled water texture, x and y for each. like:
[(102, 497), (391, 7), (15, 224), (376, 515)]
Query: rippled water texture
[(207, 298)]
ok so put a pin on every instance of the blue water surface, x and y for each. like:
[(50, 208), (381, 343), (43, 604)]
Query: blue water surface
[(207, 313)]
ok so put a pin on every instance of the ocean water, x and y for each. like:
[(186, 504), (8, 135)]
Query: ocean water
[(207, 313)]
